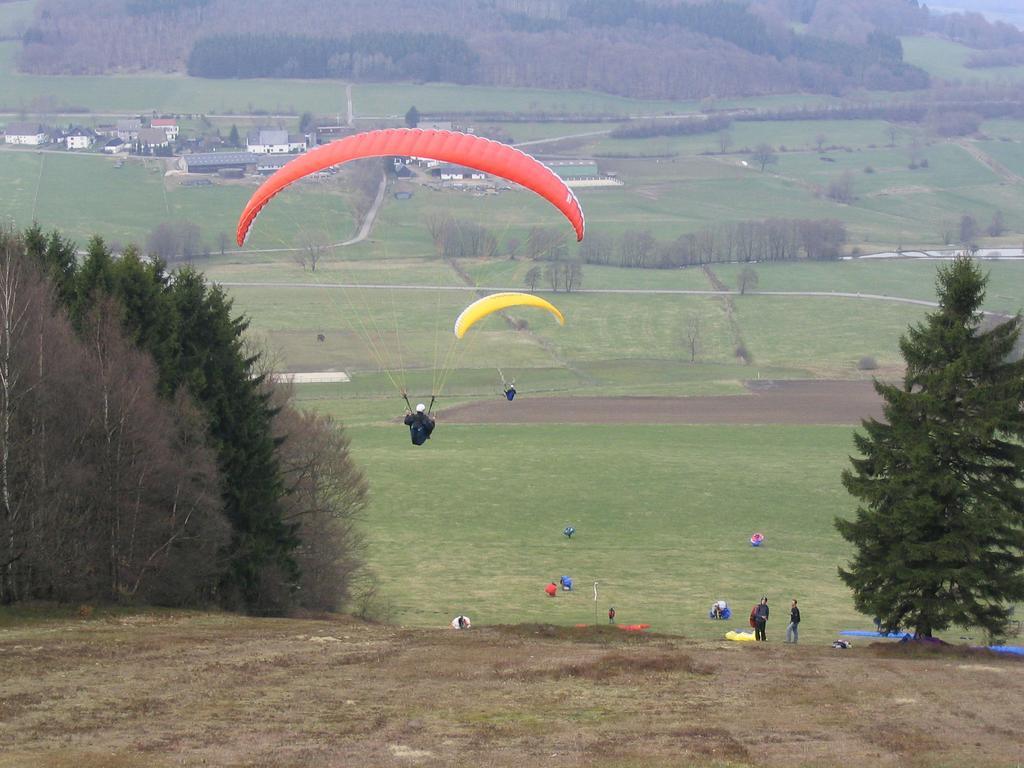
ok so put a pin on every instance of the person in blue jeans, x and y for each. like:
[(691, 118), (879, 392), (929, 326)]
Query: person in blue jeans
[(792, 630)]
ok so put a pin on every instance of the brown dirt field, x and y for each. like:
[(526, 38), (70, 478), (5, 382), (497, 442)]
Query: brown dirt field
[(769, 402), (219, 690)]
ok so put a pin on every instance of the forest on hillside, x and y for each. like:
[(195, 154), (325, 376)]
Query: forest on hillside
[(145, 455), (637, 48)]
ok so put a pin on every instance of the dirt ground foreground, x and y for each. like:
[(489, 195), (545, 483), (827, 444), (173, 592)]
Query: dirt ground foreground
[(221, 690), (769, 402)]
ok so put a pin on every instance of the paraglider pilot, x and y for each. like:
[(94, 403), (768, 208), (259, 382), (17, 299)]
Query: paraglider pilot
[(508, 388), (420, 424)]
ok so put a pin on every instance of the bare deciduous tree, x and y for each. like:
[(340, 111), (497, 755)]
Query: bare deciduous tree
[(747, 279), (572, 276), (693, 332), (532, 277), (763, 155), (892, 131), (724, 141), (315, 245), (841, 189), (326, 494), (553, 274)]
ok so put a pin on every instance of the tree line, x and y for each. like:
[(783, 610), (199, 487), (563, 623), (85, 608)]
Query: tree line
[(745, 241), (678, 51), (363, 56), (145, 455)]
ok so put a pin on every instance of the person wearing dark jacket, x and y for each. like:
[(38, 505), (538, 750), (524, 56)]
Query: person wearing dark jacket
[(761, 619), (792, 633), (420, 424)]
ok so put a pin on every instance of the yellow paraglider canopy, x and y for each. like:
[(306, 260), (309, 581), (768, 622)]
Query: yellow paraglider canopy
[(481, 308)]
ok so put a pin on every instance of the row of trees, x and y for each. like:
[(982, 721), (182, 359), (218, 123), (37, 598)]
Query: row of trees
[(749, 241), (363, 56), (143, 453)]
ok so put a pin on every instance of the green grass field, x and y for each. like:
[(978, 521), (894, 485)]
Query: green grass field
[(945, 59), (663, 513), (663, 517)]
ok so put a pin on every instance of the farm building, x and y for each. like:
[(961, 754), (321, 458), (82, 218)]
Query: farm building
[(128, 130), (583, 174), (167, 125), (457, 173), (31, 134), (213, 162), (151, 138), (113, 146), (80, 138), (267, 142)]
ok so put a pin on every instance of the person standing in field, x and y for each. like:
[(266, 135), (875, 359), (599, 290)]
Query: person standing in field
[(761, 620), (611, 615), (792, 629)]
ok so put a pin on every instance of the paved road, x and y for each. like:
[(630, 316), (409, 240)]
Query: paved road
[(371, 215), (636, 291), (561, 138)]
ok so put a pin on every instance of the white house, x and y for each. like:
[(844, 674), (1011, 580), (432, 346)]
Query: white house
[(458, 173), (32, 134), (79, 138), (266, 142), (167, 125)]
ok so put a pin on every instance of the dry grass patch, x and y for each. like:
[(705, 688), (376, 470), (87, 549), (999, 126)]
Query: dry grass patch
[(229, 691)]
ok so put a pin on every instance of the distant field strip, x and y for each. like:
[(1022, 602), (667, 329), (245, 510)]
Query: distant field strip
[(788, 402)]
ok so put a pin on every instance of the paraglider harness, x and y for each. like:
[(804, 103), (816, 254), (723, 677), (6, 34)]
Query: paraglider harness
[(419, 422), (508, 388)]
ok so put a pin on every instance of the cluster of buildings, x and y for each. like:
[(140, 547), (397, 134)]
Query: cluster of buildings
[(123, 136), (159, 135), (264, 152)]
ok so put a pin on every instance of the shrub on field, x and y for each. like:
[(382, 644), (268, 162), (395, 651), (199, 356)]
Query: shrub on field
[(867, 363)]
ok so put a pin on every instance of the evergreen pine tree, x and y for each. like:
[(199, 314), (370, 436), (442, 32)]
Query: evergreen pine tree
[(939, 538), (93, 281), (57, 259), (142, 289), (213, 365)]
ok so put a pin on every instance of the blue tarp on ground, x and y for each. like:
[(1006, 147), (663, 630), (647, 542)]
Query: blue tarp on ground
[(1017, 650)]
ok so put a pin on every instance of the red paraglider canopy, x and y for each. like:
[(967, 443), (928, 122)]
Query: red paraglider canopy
[(449, 146)]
